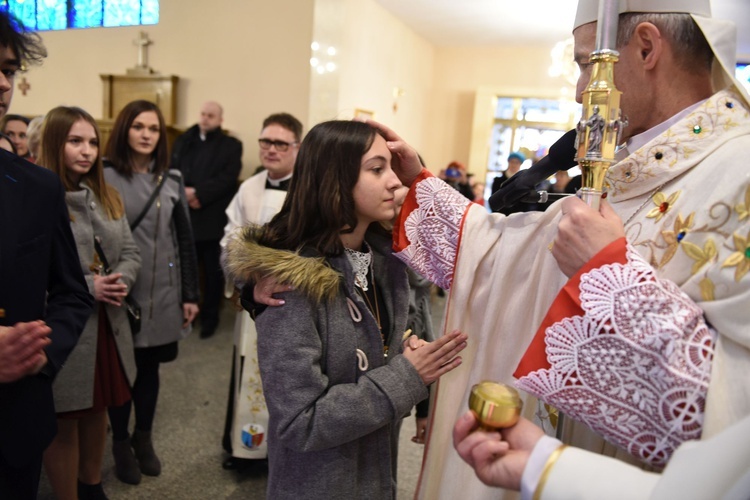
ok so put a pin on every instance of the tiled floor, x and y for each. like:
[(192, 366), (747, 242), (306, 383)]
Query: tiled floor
[(189, 424)]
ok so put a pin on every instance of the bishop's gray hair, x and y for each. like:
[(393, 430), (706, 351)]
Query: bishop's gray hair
[(689, 46)]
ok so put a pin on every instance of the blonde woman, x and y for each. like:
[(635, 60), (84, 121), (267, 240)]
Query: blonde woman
[(101, 368)]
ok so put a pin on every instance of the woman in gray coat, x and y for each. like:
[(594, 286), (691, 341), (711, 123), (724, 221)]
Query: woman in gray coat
[(101, 368), (167, 286), (336, 376)]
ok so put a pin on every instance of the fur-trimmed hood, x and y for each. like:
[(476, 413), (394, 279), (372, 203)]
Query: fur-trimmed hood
[(247, 260)]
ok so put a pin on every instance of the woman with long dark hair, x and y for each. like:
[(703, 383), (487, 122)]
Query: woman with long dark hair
[(336, 377), (101, 369), (167, 286)]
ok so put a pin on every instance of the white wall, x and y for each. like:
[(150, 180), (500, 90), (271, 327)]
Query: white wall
[(253, 57)]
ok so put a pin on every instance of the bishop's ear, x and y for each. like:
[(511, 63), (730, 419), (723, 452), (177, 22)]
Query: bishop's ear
[(650, 44)]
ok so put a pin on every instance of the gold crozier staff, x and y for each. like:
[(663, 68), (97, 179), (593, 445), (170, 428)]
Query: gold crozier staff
[(600, 128)]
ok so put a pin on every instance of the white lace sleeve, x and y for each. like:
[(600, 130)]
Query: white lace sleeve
[(433, 231), (636, 366)]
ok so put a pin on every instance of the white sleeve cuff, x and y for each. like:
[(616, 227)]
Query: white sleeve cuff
[(535, 466)]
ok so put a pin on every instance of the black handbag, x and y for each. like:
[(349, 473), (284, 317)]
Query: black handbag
[(132, 307)]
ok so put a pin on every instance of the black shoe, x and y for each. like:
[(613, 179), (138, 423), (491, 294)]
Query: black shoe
[(143, 447), (126, 465), (91, 491), (235, 463), (246, 465)]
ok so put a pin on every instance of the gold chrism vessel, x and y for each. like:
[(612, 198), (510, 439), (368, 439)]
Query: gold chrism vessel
[(495, 405)]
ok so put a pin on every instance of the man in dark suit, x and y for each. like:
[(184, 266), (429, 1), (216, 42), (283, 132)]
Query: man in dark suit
[(44, 300), (210, 162)]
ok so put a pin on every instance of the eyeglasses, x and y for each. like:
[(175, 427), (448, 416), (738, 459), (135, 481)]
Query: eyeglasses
[(281, 146)]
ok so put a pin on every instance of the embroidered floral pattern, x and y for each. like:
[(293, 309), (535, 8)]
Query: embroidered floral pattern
[(740, 258), (361, 262), (743, 209), (707, 289), (680, 147), (254, 386), (701, 256), (433, 231), (635, 367), (674, 238), (663, 204)]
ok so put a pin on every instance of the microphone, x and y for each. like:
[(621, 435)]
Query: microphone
[(520, 187)]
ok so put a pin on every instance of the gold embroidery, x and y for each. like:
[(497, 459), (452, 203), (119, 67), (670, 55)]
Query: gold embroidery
[(743, 209), (663, 205), (706, 233), (740, 258), (554, 456), (673, 238), (678, 144), (701, 256), (730, 124), (688, 151), (707, 289), (253, 384)]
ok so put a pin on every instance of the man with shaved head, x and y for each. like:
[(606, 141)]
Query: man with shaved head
[(210, 162)]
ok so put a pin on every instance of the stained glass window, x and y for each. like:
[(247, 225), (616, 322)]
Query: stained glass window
[(742, 72), (86, 13), (63, 14)]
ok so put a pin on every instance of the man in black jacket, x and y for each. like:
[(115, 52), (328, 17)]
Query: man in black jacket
[(210, 162), (44, 300)]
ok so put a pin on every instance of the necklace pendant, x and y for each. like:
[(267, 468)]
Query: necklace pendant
[(385, 351)]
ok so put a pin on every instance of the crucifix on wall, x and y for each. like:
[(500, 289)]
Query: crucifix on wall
[(24, 86), (142, 67)]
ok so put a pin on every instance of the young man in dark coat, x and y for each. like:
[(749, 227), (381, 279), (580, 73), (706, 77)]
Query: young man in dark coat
[(44, 300), (210, 162)]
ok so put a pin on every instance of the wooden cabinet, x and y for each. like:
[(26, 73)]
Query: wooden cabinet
[(119, 90)]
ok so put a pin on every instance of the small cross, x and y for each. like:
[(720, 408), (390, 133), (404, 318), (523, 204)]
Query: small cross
[(24, 86), (142, 42)]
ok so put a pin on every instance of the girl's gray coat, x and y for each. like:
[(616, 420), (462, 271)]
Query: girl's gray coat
[(74, 385), (169, 276), (333, 426)]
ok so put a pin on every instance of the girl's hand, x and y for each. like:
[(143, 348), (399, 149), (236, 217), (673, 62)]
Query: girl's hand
[(109, 289), (433, 359)]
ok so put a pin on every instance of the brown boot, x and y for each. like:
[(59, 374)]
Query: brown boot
[(126, 466), (144, 452)]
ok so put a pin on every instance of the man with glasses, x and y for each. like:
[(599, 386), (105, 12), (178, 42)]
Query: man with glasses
[(210, 162), (259, 198)]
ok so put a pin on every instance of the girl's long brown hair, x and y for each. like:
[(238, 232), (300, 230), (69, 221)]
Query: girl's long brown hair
[(320, 205), (118, 149), (55, 130)]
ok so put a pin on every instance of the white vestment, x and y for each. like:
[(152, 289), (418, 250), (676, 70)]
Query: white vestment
[(253, 204), (718, 468), (685, 201)]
